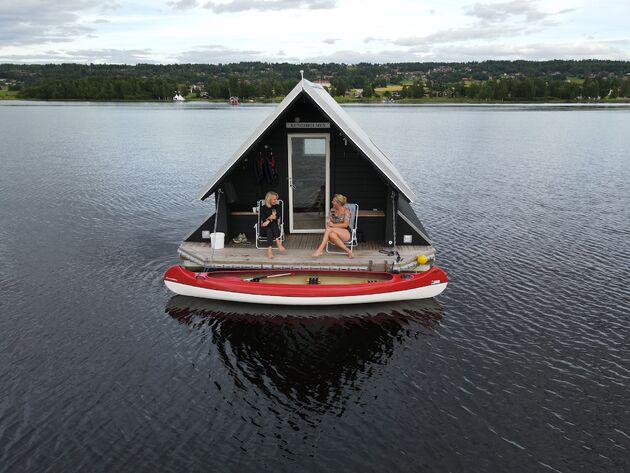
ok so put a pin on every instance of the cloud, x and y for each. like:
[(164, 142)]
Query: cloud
[(494, 20), (109, 56), (113, 56), (25, 22), (465, 33), (109, 5), (331, 40), (183, 4), (355, 57), (617, 49), (374, 39), (269, 5), (218, 54), (492, 12), (502, 11), (610, 49)]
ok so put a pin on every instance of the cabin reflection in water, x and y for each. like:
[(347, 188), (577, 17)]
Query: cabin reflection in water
[(307, 356)]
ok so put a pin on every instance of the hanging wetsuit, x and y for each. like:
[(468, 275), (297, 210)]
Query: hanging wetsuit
[(271, 169), (259, 166)]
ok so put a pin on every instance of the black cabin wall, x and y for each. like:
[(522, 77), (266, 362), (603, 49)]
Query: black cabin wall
[(403, 228), (196, 235), (356, 177), (243, 177)]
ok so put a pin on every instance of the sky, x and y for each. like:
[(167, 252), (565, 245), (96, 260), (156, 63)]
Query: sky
[(348, 31)]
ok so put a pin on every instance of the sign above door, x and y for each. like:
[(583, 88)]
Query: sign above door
[(308, 125)]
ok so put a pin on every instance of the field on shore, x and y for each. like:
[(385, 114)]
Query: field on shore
[(6, 94)]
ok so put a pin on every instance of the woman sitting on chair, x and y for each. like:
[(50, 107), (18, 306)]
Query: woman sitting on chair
[(269, 214), (337, 226)]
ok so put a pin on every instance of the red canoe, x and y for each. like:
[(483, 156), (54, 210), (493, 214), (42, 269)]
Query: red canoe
[(306, 287)]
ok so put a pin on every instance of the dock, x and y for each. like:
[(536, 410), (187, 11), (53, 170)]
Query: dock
[(367, 256)]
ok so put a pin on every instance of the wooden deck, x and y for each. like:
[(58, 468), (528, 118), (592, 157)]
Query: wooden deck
[(298, 256)]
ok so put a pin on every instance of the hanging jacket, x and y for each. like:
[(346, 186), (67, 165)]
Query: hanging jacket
[(270, 169), (259, 168)]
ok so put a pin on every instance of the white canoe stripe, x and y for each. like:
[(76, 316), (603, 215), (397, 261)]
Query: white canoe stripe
[(424, 292)]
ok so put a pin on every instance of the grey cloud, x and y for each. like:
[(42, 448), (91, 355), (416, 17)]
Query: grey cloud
[(491, 24), (466, 33), (38, 21), (114, 56), (110, 56), (183, 4), (218, 54), (501, 11), (616, 49), (100, 21), (492, 12), (109, 5), (354, 57), (372, 39), (269, 5), (331, 40)]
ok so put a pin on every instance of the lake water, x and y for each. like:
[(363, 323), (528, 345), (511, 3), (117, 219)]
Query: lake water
[(521, 365)]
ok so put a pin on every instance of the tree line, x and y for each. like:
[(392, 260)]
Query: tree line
[(542, 89), (487, 80), (100, 88)]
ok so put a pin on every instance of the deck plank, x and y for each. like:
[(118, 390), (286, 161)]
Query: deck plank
[(298, 255)]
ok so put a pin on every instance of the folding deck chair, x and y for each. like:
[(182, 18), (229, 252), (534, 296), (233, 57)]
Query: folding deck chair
[(262, 237), (354, 220)]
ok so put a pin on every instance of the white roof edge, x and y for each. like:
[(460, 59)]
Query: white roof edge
[(337, 115)]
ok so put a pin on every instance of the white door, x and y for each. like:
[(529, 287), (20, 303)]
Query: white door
[(309, 181)]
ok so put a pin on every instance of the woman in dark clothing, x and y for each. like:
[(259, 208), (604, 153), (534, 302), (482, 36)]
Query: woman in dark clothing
[(269, 215)]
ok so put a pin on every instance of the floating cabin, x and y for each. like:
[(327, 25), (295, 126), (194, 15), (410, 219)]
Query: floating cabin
[(307, 150)]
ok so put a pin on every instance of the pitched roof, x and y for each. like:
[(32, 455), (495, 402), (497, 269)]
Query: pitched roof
[(338, 116)]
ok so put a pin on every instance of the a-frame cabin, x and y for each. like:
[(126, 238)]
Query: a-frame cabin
[(307, 150)]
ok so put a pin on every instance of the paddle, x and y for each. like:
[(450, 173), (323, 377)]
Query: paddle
[(258, 278)]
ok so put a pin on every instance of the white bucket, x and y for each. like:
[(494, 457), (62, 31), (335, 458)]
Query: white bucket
[(217, 240)]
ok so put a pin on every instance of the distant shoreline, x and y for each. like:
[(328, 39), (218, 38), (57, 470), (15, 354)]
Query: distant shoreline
[(425, 101)]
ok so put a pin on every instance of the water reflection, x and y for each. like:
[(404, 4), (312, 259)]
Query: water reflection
[(306, 357)]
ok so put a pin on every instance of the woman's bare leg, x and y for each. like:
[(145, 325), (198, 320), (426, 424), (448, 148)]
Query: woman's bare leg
[(341, 233), (336, 239), (280, 245), (320, 249), (270, 252)]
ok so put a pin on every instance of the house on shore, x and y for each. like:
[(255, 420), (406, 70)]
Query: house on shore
[(307, 150)]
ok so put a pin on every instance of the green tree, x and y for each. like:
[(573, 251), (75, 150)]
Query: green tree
[(340, 87), (590, 89), (234, 86), (368, 90), (501, 92)]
